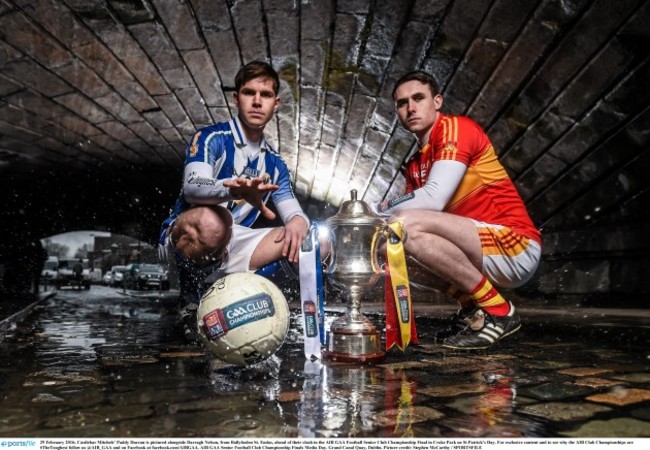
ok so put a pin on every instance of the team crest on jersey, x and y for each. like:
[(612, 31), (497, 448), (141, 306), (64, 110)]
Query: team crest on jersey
[(450, 147)]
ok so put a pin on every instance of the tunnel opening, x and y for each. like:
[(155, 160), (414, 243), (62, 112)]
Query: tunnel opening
[(31, 267)]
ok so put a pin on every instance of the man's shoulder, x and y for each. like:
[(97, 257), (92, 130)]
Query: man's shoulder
[(458, 118), (216, 134), (461, 121), (209, 139), (274, 154), (216, 127)]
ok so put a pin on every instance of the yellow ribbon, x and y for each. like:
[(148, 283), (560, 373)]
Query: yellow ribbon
[(400, 280), (404, 418)]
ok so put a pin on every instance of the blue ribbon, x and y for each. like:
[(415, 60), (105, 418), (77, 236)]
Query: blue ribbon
[(320, 291)]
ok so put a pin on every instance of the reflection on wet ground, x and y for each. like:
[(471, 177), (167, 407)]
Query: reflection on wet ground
[(108, 364)]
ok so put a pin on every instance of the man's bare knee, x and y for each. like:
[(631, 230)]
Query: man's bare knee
[(414, 221)]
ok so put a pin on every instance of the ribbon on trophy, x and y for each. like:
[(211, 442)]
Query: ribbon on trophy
[(400, 322), (399, 397), (312, 294)]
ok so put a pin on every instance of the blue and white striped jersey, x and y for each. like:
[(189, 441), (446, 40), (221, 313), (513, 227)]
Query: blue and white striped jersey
[(223, 147)]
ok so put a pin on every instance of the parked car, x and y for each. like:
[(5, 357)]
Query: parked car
[(65, 275), (95, 276), (115, 276), (146, 276), (106, 278), (50, 270)]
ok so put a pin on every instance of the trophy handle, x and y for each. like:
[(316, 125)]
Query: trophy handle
[(373, 256), (328, 262)]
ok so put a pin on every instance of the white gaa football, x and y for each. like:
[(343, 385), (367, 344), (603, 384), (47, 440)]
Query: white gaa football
[(243, 318)]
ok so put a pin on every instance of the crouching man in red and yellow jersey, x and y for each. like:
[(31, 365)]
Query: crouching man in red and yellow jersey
[(464, 219)]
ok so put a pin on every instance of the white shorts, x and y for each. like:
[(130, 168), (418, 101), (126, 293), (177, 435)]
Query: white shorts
[(238, 254), (239, 251), (509, 259)]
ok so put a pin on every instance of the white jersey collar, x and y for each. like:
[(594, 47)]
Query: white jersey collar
[(240, 137)]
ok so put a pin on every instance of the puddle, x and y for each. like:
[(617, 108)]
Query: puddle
[(104, 364)]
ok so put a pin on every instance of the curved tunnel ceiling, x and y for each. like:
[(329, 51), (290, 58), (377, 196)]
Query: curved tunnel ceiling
[(98, 99)]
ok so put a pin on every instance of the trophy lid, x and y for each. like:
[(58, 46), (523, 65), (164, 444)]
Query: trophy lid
[(355, 212)]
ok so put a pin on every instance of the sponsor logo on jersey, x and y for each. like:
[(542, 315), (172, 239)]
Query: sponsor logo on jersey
[(248, 172)]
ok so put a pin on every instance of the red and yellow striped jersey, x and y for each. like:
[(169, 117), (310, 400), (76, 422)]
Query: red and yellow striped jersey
[(486, 193)]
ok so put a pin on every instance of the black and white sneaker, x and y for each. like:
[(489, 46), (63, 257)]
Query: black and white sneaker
[(482, 336), (458, 321)]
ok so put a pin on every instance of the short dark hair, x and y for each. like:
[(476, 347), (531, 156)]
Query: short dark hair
[(257, 69), (422, 77)]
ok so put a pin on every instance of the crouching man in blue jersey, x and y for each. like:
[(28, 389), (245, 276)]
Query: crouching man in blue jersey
[(230, 173)]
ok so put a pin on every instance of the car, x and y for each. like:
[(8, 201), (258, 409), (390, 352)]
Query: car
[(115, 276), (146, 276), (95, 275), (107, 278), (50, 271)]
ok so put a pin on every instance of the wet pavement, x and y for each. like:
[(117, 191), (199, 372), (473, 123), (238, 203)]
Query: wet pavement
[(112, 363)]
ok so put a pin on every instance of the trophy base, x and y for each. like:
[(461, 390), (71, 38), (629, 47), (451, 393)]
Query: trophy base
[(353, 347)]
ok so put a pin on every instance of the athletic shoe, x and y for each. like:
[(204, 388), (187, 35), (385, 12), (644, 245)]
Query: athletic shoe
[(458, 321), (493, 329)]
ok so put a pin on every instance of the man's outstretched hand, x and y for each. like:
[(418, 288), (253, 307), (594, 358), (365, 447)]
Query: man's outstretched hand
[(252, 190)]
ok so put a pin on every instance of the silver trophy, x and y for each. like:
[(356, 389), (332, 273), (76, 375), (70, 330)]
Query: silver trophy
[(355, 232)]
